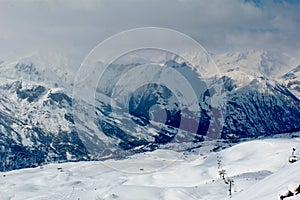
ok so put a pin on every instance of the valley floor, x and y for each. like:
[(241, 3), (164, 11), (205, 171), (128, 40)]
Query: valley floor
[(260, 170)]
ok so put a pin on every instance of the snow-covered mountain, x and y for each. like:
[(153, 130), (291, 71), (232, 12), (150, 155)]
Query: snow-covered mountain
[(292, 80), (52, 69), (256, 62), (38, 123)]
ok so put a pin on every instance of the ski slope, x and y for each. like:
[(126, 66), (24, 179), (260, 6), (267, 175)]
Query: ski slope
[(259, 168)]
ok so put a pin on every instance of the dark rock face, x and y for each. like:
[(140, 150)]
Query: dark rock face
[(60, 98), (45, 147), (27, 143), (31, 94), (261, 109)]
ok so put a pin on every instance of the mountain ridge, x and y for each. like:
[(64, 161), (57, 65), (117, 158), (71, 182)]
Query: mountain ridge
[(38, 121)]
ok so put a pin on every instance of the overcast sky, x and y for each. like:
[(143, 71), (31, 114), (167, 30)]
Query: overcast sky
[(74, 27)]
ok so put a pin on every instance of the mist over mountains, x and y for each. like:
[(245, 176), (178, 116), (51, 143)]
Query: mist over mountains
[(38, 123)]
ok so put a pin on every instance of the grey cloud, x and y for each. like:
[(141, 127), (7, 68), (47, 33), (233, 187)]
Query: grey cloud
[(75, 27)]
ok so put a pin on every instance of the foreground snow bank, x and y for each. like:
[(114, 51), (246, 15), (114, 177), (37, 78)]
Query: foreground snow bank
[(260, 170)]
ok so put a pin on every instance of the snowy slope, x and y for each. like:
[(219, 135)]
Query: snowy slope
[(275, 185), (259, 169)]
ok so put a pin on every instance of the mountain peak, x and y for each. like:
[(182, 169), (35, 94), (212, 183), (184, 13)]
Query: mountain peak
[(51, 68), (257, 62)]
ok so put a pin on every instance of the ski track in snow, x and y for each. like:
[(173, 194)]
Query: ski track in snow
[(260, 170)]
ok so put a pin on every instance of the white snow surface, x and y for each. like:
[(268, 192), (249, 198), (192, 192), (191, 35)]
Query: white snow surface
[(259, 168)]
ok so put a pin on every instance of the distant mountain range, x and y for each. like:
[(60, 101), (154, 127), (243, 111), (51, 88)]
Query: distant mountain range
[(38, 123)]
